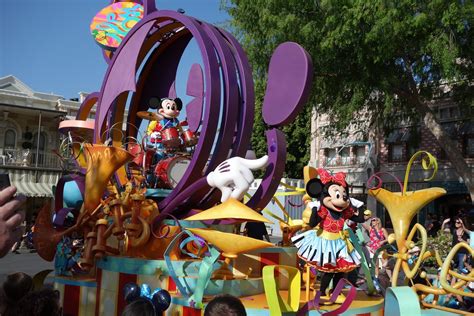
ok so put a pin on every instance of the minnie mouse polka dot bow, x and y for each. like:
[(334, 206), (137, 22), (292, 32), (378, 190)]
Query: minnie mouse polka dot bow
[(326, 177)]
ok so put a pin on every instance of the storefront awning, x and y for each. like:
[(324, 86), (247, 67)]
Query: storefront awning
[(33, 189), (34, 183)]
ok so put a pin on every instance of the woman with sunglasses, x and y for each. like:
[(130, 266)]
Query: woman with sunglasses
[(459, 235)]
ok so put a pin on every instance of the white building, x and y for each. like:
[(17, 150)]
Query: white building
[(29, 138)]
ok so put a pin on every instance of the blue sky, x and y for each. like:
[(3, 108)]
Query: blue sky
[(47, 44)]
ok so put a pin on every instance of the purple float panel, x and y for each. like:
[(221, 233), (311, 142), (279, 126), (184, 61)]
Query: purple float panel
[(212, 102), (212, 96), (276, 142), (149, 6), (195, 84), (231, 97), (123, 67), (195, 88), (230, 113), (158, 75), (247, 108), (61, 215), (289, 83), (194, 113), (172, 91)]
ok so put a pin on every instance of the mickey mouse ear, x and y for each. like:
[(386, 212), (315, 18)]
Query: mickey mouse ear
[(154, 102), (179, 103), (161, 300), (131, 291), (314, 187)]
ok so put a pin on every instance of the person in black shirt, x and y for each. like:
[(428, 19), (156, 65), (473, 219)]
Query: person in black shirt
[(256, 230), (459, 235)]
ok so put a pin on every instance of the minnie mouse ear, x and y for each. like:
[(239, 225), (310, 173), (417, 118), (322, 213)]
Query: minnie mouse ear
[(179, 103), (131, 291), (154, 102), (161, 300), (314, 187)]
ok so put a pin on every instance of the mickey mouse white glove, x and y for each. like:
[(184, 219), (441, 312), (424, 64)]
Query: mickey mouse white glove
[(233, 177)]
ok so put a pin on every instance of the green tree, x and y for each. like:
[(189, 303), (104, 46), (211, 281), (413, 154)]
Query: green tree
[(390, 57)]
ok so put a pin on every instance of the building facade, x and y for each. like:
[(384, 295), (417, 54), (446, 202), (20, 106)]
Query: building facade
[(361, 154), (29, 139)]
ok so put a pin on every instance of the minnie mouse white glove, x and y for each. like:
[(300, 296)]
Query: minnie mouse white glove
[(356, 203)]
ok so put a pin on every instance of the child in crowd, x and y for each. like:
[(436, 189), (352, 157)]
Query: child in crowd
[(225, 305)]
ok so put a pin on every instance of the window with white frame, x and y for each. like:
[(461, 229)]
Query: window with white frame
[(360, 154), (9, 139), (396, 152), (331, 154), (345, 156)]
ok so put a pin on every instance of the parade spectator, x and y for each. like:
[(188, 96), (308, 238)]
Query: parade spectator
[(17, 244), (44, 302), (365, 232), (139, 307), (470, 233), (378, 237), (256, 230), (11, 217), (15, 287), (457, 229), (225, 305), (434, 227), (428, 220)]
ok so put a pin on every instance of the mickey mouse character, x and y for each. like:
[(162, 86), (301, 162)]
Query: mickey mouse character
[(328, 248), (168, 112)]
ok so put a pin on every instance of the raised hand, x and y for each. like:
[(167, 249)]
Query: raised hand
[(233, 177), (11, 218)]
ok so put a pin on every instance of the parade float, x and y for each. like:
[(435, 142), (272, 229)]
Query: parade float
[(153, 211)]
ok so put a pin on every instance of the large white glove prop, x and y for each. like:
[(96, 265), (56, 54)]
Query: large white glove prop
[(233, 177)]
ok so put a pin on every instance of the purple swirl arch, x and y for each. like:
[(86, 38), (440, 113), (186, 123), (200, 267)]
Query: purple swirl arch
[(154, 48)]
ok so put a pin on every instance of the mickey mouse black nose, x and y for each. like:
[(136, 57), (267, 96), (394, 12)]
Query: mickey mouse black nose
[(346, 198)]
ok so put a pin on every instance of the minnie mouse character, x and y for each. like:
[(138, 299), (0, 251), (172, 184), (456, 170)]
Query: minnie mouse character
[(168, 112), (328, 248)]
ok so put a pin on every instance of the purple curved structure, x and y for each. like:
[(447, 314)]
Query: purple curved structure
[(289, 82), (223, 94)]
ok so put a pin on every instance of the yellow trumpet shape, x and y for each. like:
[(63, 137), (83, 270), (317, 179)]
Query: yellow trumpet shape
[(402, 208), (230, 209), (102, 162)]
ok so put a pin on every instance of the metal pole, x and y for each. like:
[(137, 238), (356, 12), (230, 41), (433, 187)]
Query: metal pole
[(38, 140)]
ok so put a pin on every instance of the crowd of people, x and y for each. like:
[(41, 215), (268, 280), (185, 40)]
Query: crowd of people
[(375, 236), (18, 297)]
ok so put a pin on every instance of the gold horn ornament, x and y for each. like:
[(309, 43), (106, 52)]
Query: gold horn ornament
[(403, 206), (102, 162), (46, 237)]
